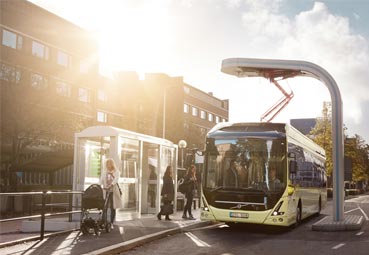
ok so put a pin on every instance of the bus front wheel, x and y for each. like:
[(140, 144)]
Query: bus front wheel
[(298, 215), (319, 206)]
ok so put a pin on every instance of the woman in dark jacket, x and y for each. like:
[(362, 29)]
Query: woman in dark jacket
[(190, 181), (167, 193)]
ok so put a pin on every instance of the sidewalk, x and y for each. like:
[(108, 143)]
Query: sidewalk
[(124, 236)]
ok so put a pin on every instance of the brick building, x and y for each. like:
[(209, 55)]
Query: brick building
[(51, 88)]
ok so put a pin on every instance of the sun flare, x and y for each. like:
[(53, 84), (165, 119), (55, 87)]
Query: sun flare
[(134, 39)]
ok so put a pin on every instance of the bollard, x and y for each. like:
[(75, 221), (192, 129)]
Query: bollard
[(70, 206), (42, 231)]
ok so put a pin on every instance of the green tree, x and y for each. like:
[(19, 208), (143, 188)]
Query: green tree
[(357, 150), (33, 121), (322, 135), (354, 147)]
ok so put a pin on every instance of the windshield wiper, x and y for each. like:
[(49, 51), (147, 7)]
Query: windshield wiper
[(252, 189)]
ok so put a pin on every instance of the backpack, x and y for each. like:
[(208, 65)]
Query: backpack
[(182, 186)]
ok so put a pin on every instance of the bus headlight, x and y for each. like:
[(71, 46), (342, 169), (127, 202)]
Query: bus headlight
[(205, 207), (276, 210)]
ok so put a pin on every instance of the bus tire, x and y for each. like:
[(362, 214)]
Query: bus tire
[(298, 214), (319, 205)]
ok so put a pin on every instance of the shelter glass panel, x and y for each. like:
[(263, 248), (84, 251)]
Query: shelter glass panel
[(129, 151)]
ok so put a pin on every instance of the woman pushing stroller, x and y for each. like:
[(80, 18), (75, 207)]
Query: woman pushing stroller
[(109, 181)]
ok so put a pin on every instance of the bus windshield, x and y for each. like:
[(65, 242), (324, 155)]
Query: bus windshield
[(255, 164)]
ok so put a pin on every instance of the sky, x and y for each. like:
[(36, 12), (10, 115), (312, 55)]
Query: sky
[(190, 38)]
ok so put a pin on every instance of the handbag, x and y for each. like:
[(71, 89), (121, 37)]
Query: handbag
[(166, 209), (120, 191), (168, 197)]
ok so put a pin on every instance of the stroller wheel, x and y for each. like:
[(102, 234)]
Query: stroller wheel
[(108, 227), (97, 231)]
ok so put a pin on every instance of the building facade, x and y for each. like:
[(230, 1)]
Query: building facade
[(45, 75), (51, 89)]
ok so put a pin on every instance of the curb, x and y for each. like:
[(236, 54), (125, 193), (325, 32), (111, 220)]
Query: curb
[(350, 223), (35, 238), (127, 245)]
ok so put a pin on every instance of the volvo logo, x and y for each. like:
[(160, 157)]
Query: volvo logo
[(239, 206)]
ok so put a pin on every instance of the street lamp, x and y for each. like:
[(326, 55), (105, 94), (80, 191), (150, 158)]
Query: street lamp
[(182, 144)]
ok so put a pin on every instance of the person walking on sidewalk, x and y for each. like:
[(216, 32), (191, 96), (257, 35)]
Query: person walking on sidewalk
[(109, 181), (191, 183), (167, 193)]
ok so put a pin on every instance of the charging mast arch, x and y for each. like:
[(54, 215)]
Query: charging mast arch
[(270, 68)]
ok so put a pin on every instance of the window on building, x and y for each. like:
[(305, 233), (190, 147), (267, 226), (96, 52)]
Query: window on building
[(210, 117), (12, 40), (83, 66), (38, 81), (84, 95), (101, 96), (63, 89), (186, 108), (19, 42), (195, 111), (40, 50), (186, 90), (224, 120), (63, 59), (203, 114), (10, 74), (102, 117), (217, 119), (203, 131)]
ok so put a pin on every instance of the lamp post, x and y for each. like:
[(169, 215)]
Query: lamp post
[(182, 144)]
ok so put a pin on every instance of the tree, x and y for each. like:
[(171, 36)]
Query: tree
[(357, 150), (354, 147), (33, 120), (322, 135)]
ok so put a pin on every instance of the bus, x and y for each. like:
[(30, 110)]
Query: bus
[(262, 173)]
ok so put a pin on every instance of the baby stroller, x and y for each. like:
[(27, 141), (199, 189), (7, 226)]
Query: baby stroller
[(93, 199)]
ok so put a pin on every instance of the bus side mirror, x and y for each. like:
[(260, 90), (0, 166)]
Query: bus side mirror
[(293, 167)]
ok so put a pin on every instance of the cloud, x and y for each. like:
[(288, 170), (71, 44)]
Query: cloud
[(318, 36), (356, 16)]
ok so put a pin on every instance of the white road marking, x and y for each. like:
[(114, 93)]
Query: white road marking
[(338, 246), (360, 233), (321, 220), (224, 226), (121, 230), (366, 216), (218, 225), (353, 210), (362, 199), (197, 241), (361, 210)]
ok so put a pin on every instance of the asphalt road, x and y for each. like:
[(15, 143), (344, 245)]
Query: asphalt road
[(259, 240)]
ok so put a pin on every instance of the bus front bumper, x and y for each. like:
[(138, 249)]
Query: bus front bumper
[(253, 217)]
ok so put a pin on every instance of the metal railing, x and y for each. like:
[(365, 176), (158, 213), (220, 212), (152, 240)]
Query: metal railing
[(44, 194)]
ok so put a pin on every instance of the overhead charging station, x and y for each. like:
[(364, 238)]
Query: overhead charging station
[(281, 69)]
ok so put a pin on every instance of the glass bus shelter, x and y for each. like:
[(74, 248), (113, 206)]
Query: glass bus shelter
[(141, 159)]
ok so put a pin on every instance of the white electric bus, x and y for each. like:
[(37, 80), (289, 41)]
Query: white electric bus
[(262, 173)]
